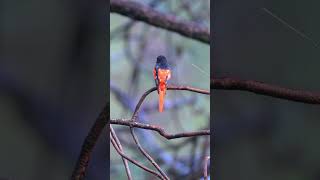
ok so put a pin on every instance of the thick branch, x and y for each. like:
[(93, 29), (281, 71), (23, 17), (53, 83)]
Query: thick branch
[(148, 15), (158, 129), (89, 143), (266, 89)]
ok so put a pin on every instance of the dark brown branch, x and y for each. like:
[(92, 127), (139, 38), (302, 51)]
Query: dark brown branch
[(133, 161), (161, 131), (89, 143), (266, 89), (148, 15), (125, 162)]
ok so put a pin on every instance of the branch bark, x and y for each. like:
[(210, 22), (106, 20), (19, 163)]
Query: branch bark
[(265, 89), (161, 131), (148, 15)]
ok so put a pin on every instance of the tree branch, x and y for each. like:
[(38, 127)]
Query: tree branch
[(163, 156), (89, 143), (161, 131), (148, 15), (147, 155), (125, 162), (135, 114), (265, 89)]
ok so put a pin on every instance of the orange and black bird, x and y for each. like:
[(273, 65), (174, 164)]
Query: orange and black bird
[(161, 74)]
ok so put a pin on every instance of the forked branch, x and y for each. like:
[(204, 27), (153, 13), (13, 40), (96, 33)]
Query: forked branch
[(119, 146), (160, 130), (131, 160)]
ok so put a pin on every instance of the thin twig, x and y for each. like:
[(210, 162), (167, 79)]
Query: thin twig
[(147, 14), (125, 162), (147, 155), (79, 171), (133, 161), (160, 130), (265, 89)]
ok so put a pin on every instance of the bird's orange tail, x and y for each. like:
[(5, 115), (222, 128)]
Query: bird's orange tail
[(161, 99)]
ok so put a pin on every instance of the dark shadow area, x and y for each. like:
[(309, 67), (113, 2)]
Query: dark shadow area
[(53, 81)]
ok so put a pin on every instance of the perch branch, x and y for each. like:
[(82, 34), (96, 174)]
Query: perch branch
[(170, 87), (89, 143), (161, 131), (148, 15), (266, 89)]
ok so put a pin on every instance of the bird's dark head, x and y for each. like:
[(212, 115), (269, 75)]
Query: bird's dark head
[(162, 62)]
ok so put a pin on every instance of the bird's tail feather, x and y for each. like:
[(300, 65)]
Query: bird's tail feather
[(161, 99)]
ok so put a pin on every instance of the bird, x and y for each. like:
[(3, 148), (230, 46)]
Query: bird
[(161, 75)]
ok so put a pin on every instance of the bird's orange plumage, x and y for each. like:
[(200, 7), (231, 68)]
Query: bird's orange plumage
[(161, 100), (163, 76)]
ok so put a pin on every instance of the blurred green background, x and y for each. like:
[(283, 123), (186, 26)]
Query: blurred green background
[(134, 47), (261, 137)]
